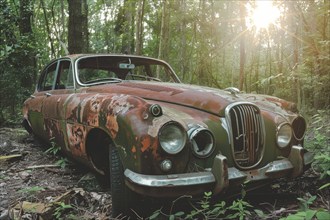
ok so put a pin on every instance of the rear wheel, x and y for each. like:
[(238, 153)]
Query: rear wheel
[(122, 197)]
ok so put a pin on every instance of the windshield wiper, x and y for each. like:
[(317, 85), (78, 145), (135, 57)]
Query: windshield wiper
[(103, 80), (133, 76)]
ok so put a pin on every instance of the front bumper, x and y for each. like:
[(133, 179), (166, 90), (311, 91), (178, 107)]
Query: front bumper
[(218, 178)]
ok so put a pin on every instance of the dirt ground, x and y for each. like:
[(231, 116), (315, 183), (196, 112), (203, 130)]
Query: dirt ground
[(34, 185)]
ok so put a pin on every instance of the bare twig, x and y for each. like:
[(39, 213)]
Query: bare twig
[(42, 166)]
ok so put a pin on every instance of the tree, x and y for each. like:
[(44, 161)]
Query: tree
[(78, 26), (139, 27), (25, 28), (242, 45), (164, 32)]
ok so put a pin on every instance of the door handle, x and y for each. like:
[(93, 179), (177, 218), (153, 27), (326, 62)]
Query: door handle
[(48, 94)]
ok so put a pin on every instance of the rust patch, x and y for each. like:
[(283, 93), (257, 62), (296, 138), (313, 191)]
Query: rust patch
[(76, 137), (146, 143), (133, 149), (118, 104), (112, 125), (92, 111), (72, 108), (53, 129)]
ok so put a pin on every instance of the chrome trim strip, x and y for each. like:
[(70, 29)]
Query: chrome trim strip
[(185, 179), (275, 169)]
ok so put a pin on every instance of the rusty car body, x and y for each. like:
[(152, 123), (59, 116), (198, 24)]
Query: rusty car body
[(130, 117)]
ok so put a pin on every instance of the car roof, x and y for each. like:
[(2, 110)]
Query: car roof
[(77, 56)]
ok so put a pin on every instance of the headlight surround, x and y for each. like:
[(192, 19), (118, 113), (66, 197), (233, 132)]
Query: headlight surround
[(172, 138), (202, 142), (284, 135), (299, 127)]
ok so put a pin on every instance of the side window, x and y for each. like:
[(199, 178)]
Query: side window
[(48, 78), (65, 77)]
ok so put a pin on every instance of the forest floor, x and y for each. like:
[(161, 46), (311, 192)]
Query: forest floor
[(34, 185)]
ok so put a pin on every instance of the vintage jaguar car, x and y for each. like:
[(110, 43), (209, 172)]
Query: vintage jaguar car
[(130, 118)]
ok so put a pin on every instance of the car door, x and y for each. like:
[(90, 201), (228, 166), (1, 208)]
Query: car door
[(54, 103), (34, 104)]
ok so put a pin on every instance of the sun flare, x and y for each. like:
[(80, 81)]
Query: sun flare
[(263, 15)]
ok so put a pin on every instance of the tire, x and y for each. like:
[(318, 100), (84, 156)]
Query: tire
[(122, 197)]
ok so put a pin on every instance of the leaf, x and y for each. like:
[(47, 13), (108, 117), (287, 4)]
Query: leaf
[(260, 213), (297, 216), (179, 213), (155, 215), (322, 215), (325, 185), (310, 214), (311, 199)]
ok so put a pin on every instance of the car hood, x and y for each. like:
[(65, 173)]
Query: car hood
[(203, 98)]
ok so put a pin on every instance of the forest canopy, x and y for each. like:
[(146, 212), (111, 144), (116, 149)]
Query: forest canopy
[(277, 48)]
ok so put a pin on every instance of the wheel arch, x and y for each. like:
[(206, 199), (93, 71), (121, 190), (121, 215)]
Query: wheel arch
[(97, 149), (27, 126)]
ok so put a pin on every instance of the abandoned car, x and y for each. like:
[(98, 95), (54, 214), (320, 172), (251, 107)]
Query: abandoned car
[(131, 119)]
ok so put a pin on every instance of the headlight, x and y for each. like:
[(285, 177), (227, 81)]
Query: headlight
[(172, 138), (299, 127), (202, 142), (284, 135)]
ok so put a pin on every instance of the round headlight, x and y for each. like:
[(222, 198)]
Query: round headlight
[(172, 138), (299, 127), (202, 142), (284, 135)]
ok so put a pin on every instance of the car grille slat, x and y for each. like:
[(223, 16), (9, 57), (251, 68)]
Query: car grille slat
[(247, 133)]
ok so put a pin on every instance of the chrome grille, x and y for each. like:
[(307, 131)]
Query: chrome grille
[(247, 133)]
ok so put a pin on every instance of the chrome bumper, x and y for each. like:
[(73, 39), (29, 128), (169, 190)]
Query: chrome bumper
[(218, 177)]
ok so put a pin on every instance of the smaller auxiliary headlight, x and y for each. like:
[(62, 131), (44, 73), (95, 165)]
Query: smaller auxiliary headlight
[(284, 135), (156, 110), (166, 165)]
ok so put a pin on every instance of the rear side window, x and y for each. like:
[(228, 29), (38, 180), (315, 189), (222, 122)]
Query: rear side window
[(65, 75), (48, 78)]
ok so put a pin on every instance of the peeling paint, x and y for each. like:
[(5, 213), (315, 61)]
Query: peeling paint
[(76, 137)]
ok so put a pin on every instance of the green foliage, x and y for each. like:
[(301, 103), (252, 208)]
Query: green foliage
[(63, 162), (318, 142), (323, 165), (306, 213), (206, 210), (61, 209), (31, 190), (239, 209), (54, 149)]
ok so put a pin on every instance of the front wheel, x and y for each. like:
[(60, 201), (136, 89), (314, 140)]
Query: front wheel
[(122, 197)]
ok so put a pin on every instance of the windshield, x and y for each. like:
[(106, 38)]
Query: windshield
[(106, 69)]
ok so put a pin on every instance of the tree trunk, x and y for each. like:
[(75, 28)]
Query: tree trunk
[(242, 46), (25, 28), (128, 31), (164, 34), (78, 26), (139, 27), (183, 51), (48, 29)]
